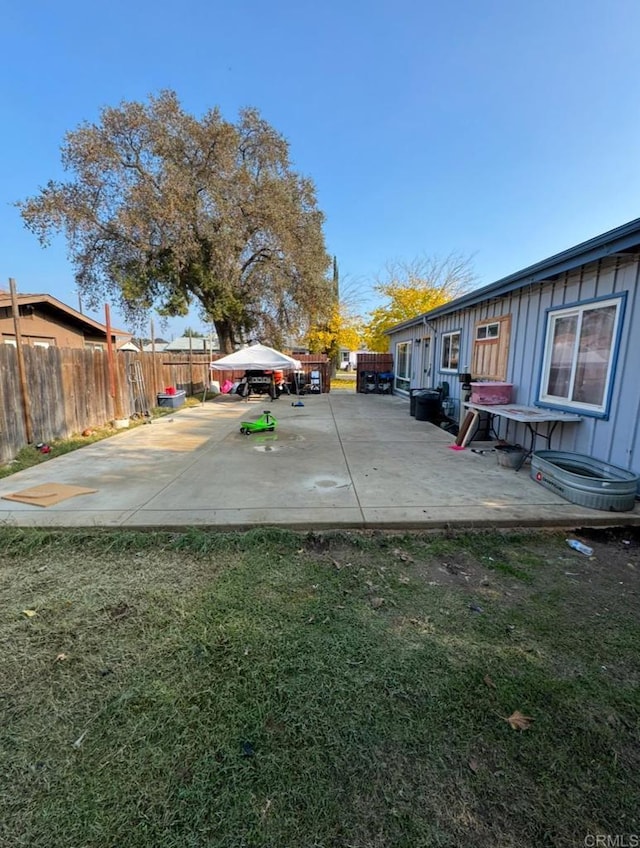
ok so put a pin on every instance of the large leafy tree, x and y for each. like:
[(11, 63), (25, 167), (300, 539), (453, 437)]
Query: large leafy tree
[(412, 288), (163, 210)]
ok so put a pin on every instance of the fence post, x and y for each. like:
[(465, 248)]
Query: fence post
[(22, 373), (117, 408), (154, 369)]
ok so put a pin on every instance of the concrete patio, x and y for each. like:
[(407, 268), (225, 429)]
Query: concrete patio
[(343, 460)]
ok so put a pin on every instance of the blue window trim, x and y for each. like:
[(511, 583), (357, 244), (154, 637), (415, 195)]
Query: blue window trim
[(444, 333), (587, 413)]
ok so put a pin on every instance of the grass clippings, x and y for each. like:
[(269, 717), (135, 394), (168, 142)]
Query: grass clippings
[(198, 689)]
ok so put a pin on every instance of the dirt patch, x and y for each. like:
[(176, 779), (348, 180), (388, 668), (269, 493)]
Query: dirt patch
[(317, 542), (461, 571), (491, 566), (610, 574)]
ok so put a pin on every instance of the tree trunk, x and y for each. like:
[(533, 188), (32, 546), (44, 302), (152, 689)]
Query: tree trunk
[(224, 329)]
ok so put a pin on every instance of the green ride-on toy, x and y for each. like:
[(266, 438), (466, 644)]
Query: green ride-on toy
[(266, 422)]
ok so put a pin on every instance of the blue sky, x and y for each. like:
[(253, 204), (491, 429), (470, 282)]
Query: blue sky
[(500, 129)]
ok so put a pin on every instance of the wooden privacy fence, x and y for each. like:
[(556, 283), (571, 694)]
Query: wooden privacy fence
[(316, 362), (376, 362), (69, 390)]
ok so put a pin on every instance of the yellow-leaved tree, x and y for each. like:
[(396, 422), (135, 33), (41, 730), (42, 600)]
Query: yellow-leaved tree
[(412, 288), (341, 329)]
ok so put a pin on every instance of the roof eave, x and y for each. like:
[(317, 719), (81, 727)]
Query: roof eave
[(608, 244), (81, 318), (615, 241)]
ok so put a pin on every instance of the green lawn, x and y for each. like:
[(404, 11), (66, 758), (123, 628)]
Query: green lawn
[(279, 689)]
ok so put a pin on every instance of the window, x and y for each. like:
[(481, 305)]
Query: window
[(487, 331), (579, 355), (11, 342), (450, 351), (403, 366)]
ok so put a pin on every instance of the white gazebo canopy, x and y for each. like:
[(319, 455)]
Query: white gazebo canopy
[(258, 357)]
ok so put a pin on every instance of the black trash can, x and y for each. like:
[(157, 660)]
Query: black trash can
[(428, 406), (412, 400)]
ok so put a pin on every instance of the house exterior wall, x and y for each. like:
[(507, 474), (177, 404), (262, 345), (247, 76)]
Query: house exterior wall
[(37, 326), (614, 438), (421, 371)]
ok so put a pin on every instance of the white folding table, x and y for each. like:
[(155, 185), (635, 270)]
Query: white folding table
[(531, 416)]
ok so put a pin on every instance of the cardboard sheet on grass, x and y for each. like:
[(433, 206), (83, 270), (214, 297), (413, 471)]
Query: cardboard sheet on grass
[(48, 494)]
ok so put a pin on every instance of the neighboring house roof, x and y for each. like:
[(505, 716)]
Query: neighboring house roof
[(623, 240), (158, 347), (71, 316), (129, 346), (193, 343)]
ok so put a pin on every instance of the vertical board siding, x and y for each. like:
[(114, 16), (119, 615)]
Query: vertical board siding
[(616, 439), (628, 409), (613, 440)]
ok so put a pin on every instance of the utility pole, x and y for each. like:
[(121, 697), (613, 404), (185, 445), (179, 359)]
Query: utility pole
[(335, 359)]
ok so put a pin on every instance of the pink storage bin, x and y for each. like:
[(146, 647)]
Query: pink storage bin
[(491, 393)]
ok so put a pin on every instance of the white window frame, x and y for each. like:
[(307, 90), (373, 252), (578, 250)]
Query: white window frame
[(577, 310), (487, 337), (403, 380), (446, 367)]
